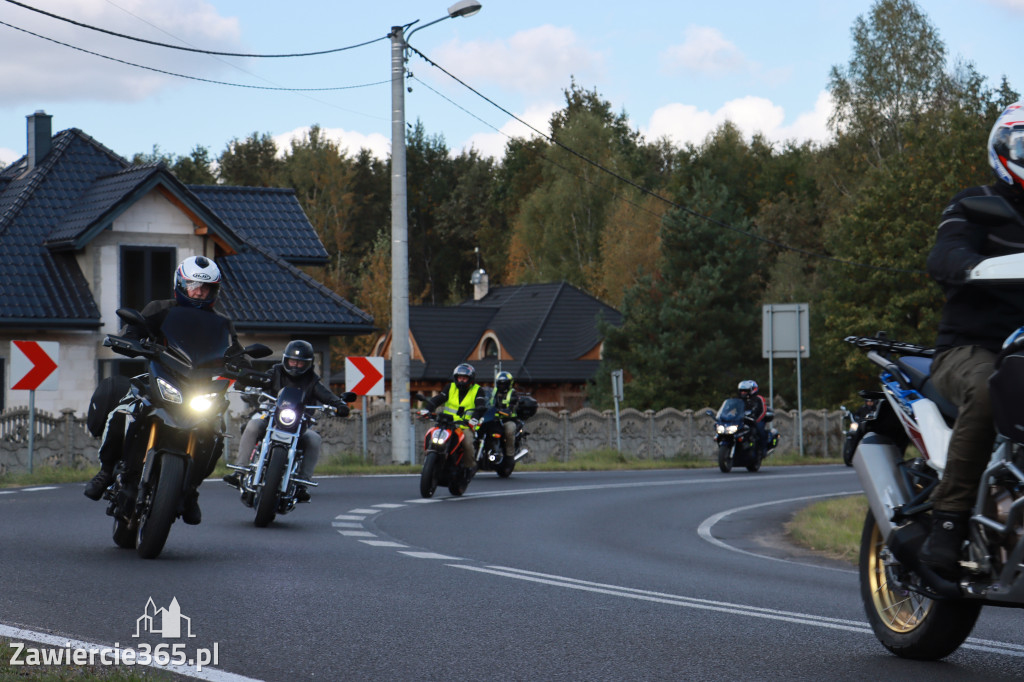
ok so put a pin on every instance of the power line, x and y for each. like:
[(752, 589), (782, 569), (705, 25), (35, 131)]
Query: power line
[(195, 78), (650, 192), (192, 49)]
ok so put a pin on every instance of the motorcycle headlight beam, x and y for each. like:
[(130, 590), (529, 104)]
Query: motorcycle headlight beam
[(168, 392), (287, 416), (732, 429), (202, 403)]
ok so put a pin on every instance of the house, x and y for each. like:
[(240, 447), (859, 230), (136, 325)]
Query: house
[(546, 335), (84, 232)]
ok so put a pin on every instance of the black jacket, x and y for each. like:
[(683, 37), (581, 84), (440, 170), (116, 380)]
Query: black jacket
[(976, 314), (309, 383)]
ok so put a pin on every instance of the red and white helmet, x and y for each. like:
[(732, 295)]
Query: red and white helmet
[(1006, 145)]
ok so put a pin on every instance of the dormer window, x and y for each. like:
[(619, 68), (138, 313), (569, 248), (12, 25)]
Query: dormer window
[(147, 274), (490, 348)]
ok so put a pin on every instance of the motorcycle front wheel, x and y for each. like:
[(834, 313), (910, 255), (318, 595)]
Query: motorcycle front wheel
[(849, 447), (908, 624), (428, 476), (505, 468), (725, 457), (124, 536), (155, 524), (269, 493)]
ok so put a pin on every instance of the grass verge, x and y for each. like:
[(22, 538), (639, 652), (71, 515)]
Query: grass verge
[(831, 527)]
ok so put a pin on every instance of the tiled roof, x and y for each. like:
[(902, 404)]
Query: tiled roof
[(269, 217), (80, 186), (545, 328)]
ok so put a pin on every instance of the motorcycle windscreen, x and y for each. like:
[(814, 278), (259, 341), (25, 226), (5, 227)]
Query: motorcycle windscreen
[(1006, 389), (201, 336), (732, 410)]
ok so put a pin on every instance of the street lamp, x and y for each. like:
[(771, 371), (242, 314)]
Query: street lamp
[(401, 446)]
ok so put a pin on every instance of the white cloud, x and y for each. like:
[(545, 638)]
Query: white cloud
[(348, 141), (685, 123), (704, 50), (1012, 5), (493, 144), (531, 61), (8, 156), (46, 70)]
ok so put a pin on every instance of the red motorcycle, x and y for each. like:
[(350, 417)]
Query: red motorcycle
[(442, 458)]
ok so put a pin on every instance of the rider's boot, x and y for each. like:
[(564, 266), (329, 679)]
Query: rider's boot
[(99, 483), (942, 550), (234, 479), (191, 514), (301, 493)]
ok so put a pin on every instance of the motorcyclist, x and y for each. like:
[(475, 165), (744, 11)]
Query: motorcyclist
[(294, 370), (865, 410), (506, 399), (197, 280), (466, 401), (976, 318), (754, 408)]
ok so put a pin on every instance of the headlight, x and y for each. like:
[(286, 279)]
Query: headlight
[(287, 416), (168, 392), (853, 427), (720, 428), (202, 403), (732, 429)]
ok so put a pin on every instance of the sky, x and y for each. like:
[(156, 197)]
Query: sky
[(675, 68)]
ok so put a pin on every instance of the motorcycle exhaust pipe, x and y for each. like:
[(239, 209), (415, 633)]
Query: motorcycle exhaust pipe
[(875, 463), (523, 452)]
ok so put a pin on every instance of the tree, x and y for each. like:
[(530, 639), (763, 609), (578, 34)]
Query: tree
[(691, 330), (251, 162)]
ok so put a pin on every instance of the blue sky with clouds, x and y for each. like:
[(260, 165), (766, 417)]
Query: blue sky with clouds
[(677, 68)]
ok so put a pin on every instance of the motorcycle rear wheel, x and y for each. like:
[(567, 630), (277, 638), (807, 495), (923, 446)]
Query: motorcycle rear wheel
[(908, 624), (428, 476), (725, 457), (269, 493), (155, 524)]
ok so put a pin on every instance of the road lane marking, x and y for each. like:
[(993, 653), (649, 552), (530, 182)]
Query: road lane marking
[(387, 505), (431, 555), (36, 489), (383, 543), (363, 511), (358, 533), (988, 646), (346, 524), (348, 517), (704, 529)]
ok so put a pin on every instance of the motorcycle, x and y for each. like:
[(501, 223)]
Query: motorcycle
[(853, 430), (490, 434), (270, 481), (179, 407), (736, 436), (443, 453)]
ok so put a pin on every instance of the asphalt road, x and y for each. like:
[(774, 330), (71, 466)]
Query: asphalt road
[(663, 575)]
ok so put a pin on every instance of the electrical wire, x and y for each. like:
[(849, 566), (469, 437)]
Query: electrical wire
[(192, 49), (650, 192), (195, 78)]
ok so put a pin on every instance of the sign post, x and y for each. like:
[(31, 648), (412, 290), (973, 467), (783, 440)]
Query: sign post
[(618, 395), (34, 367), (365, 376), (786, 334)]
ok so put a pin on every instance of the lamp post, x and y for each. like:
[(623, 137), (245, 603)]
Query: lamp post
[(401, 442)]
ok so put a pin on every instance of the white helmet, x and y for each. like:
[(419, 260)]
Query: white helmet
[(196, 282), (1006, 145)]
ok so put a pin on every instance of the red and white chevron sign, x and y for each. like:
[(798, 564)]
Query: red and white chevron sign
[(365, 376), (34, 365)]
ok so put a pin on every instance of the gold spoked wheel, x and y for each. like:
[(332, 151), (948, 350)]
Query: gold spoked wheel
[(900, 609), (906, 623)]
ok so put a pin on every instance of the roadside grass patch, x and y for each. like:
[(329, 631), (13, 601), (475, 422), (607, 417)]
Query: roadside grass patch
[(831, 527)]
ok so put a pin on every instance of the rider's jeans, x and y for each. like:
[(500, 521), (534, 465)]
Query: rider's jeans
[(961, 374), (254, 430)]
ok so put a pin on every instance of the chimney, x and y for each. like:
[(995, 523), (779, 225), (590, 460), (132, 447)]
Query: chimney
[(480, 286), (39, 134)]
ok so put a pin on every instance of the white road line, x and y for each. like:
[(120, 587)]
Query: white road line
[(383, 543), (7, 492), (358, 533), (364, 511), (348, 517), (431, 555), (704, 529), (989, 646), (346, 524), (389, 506), (423, 501), (43, 487), (211, 674)]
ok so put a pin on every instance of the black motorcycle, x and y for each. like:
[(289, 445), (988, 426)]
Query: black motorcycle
[(490, 437), (736, 436), (853, 430), (270, 480), (179, 409)]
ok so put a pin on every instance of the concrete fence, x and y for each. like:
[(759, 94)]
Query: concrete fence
[(63, 440)]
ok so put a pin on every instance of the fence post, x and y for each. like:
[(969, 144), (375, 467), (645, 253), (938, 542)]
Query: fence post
[(564, 414)]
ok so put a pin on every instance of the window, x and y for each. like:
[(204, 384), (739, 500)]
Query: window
[(146, 274), (490, 348)]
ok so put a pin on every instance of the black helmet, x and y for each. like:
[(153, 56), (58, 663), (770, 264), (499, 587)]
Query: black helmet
[(503, 382), (298, 358), (747, 388), (196, 281), (464, 370)]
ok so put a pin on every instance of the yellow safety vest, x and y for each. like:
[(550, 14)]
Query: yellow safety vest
[(457, 409)]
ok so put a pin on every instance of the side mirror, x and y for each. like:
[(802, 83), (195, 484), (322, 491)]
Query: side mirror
[(132, 316), (709, 412), (349, 397), (257, 350), (768, 416), (990, 210)]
